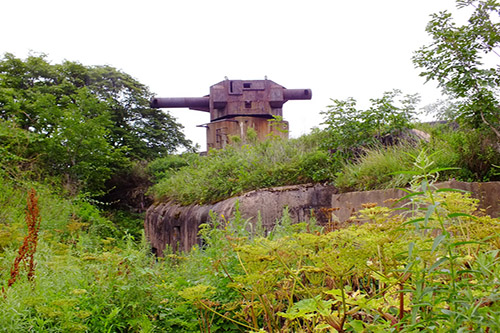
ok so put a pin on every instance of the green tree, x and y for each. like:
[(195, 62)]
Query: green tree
[(350, 128), (455, 59), (147, 133), (33, 89), (85, 123)]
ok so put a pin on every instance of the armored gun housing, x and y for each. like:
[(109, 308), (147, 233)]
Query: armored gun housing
[(236, 105)]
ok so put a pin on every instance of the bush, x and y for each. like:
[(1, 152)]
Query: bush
[(478, 151), (350, 128), (165, 167)]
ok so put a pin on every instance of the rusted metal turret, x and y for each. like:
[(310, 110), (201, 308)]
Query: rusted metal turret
[(236, 105)]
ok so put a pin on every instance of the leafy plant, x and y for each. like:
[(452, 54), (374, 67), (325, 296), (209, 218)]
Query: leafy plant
[(165, 167), (455, 60), (477, 153), (396, 271), (350, 129)]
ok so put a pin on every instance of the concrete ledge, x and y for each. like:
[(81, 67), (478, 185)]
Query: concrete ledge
[(347, 204), (169, 223)]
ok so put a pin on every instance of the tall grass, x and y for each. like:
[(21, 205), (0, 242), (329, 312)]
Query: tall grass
[(380, 167), (108, 289), (241, 168), (236, 169)]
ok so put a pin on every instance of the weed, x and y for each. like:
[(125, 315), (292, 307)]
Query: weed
[(27, 250)]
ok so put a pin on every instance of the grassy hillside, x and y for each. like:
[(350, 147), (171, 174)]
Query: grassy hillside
[(241, 168), (435, 265)]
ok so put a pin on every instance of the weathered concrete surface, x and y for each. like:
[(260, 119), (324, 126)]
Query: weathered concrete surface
[(169, 223), (347, 204)]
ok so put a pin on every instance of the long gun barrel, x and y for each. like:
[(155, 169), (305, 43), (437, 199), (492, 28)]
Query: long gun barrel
[(295, 94), (180, 102)]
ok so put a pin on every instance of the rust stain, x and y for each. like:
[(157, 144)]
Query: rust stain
[(237, 105)]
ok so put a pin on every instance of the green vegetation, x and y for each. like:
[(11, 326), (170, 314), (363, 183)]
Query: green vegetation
[(358, 150), (77, 123), (237, 169), (79, 148), (350, 129), (433, 266), (455, 59)]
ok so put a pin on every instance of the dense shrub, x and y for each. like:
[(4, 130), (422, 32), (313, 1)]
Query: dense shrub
[(350, 129), (478, 151)]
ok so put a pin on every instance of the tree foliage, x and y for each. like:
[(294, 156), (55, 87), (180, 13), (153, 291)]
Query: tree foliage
[(86, 122), (349, 127), (455, 59)]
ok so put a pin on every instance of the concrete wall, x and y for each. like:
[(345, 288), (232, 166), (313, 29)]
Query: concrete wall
[(168, 223), (347, 204)]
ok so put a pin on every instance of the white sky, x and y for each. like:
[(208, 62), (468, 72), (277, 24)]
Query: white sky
[(338, 49)]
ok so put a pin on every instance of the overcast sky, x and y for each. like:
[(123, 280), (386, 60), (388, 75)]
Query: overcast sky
[(338, 49)]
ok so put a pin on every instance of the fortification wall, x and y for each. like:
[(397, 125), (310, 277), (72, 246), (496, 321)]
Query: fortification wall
[(169, 223)]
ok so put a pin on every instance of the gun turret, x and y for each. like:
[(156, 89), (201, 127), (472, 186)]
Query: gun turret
[(232, 101)]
